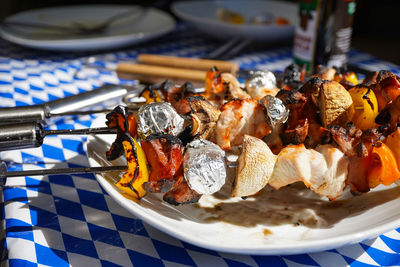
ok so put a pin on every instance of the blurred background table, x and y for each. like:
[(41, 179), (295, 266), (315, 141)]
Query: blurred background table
[(70, 220)]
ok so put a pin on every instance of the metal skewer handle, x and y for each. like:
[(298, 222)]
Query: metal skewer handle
[(69, 105)]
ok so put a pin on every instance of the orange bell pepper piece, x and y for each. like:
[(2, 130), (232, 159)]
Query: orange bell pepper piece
[(384, 169), (152, 95)]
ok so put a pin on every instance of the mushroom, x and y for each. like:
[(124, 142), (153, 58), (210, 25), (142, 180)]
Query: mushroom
[(335, 104), (204, 117), (256, 163)]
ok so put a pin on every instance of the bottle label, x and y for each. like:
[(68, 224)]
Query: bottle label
[(341, 34), (340, 48), (305, 33), (323, 33)]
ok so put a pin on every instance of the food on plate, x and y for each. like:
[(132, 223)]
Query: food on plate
[(226, 15), (393, 142), (365, 106), (323, 170), (232, 86), (159, 117), (346, 78), (325, 131), (229, 16), (204, 117), (152, 94), (384, 169), (204, 166), (371, 162), (293, 77), (386, 88), (165, 157), (239, 117), (256, 163), (260, 84), (275, 110), (220, 87), (390, 114), (137, 173), (335, 104)]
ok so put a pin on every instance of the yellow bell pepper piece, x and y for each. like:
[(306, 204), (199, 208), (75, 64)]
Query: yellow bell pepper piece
[(137, 174), (365, 107), (351, 77)]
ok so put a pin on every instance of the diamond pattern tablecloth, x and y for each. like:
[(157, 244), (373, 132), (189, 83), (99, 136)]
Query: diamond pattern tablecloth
[(70, 220)]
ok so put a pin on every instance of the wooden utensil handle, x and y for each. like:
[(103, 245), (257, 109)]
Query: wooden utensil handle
[(148, 73), (188, 63)]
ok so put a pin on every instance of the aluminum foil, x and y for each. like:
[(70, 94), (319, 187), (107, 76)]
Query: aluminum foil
[(260, 79), (204, 166), (275, 110), (159, 117)]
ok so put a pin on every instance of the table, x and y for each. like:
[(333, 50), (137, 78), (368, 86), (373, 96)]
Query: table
[(70, 220)]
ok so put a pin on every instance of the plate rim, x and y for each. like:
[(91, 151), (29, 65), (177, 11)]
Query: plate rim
[(69, 44), (294, 247)]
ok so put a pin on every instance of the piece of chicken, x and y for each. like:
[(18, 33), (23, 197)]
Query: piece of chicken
[(323, 170), (240, 117), (336, 175), (233, 85), (296, 163)]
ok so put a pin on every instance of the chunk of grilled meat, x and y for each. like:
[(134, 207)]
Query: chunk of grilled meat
[(240, 117), (390, 114), (303, 125), (233, 87), (358, 146), (347, 138), (180, 193), (293, 77), (386, 88), (176, 95), (323, 170), (215, 90), (164, 154), (370, 78)]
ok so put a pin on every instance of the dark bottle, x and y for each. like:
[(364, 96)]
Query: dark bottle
[(323, 33)]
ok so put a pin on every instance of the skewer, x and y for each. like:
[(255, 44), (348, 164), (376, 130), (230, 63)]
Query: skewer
[(100, 130), (76, 113), (31, 134), (5, 174)]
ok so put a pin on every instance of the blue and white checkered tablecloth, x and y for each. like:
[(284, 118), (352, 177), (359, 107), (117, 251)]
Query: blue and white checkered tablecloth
[(70, 220)]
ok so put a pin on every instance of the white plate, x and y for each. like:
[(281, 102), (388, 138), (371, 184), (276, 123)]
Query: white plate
[(203, 15), (142, 25), (263, 225)]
